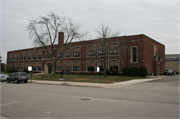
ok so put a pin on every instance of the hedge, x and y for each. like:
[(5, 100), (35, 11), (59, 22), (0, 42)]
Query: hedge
[(142, 71)]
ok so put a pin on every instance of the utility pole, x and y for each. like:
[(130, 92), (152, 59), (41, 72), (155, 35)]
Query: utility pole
[(0, 62)]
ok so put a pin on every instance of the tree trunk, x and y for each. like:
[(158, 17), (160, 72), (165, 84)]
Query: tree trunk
[(53, 67)]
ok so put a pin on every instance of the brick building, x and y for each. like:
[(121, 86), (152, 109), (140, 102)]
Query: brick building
[(80, 56)]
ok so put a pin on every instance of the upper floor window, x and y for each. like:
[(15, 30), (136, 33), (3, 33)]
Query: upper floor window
[(113, 49), (102, 49), (34, 57), (76, 52), (91, 51), (48, 54), (133, 54), (14, 58), (39, 56), (155, 51), (68, 52), (29, 57), (17, 58), (60, 53), (9, 58)]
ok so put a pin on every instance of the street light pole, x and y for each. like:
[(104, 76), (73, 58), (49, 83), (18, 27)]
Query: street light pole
[(0, 63)]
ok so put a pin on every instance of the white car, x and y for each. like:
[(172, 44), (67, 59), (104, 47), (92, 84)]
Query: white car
[(3, 77)]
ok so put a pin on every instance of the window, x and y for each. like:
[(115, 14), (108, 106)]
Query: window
[(34, 57), (40, 55), (21, 68), (102, 49), (14, 58), (76, 66), (39, 68), (60, 53), (48, 55), (13, 68), (91, 66), (155, 51), (134, 54), (113, 64), (59, 66), (68, 66), (29, 57), (34, 68), (9, 58), (113, 49), (17, 68), (91, 51), (76, 52), (24, 57), (68, 53), (17, 58)]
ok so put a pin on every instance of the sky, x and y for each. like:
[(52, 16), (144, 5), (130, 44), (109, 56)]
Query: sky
[(158, 19)]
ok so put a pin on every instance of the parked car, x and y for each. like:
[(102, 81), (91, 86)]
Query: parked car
[(169, 72), (3, 77), (18, 77)]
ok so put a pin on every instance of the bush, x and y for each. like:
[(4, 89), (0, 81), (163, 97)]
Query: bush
[(115, 71), (12, 70), (126, 71), (107, 72), (134, 71), (25, 70), (142, 71)]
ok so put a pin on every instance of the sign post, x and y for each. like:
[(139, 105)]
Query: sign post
[(30, 69), (97, 74)]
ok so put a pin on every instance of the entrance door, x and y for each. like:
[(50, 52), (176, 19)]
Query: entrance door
[(50, 69)]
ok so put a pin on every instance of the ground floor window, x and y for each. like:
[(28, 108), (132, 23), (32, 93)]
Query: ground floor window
[(91, 66), (76, 66), (59, 68), (68, 68), (34, 68), (39, 68), (114, 64)]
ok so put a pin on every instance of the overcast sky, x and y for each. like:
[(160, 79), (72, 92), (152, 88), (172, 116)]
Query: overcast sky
[(157, 19)]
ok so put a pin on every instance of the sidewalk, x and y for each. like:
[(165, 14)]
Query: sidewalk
[(98, 85)]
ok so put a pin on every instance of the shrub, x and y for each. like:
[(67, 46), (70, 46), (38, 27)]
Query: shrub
[(25, 70), (107, 72), (115, 71), (142, 71), (134, 71), (126, 71)]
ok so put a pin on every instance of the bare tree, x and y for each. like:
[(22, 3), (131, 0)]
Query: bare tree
[(44, 32), (107, 36)]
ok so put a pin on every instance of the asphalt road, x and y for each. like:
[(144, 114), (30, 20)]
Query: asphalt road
[(155, 99)]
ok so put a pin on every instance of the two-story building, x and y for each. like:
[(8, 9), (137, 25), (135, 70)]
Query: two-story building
[(140, 50)]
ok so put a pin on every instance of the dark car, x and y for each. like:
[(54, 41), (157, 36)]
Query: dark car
[(170, 72), (18, 77)]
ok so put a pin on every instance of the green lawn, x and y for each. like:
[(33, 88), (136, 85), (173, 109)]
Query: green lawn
[(84, 78)]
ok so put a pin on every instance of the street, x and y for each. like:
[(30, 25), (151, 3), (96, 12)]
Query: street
[(154, 99)]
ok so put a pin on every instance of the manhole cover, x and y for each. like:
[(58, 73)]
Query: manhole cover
[(85, 99)]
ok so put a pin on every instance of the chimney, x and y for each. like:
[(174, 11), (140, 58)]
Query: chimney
[(60, 38)]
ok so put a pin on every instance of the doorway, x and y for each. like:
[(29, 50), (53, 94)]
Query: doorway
[(49, 68)]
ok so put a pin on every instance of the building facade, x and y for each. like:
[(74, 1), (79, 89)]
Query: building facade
[(141, 50), (172, 62)]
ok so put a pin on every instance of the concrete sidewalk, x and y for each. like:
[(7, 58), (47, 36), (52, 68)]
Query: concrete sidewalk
[(99, 85)]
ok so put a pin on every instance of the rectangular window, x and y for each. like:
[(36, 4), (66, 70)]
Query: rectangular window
[(68, 53), (48, 55), (34, 68), (102, 49), (14, 58), (101, 67), (13, 68), (17, 68), (24, 57), (91, 50), (155, 51), (114, 64), (76, 66), (39, 56), (22, 68), (9, 58), (59, 68), (17, 58), (34, 57), (113, 49), (134, 54), (76, 52), (29, 57), (91, 66), (68, 66), (39, 68)]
